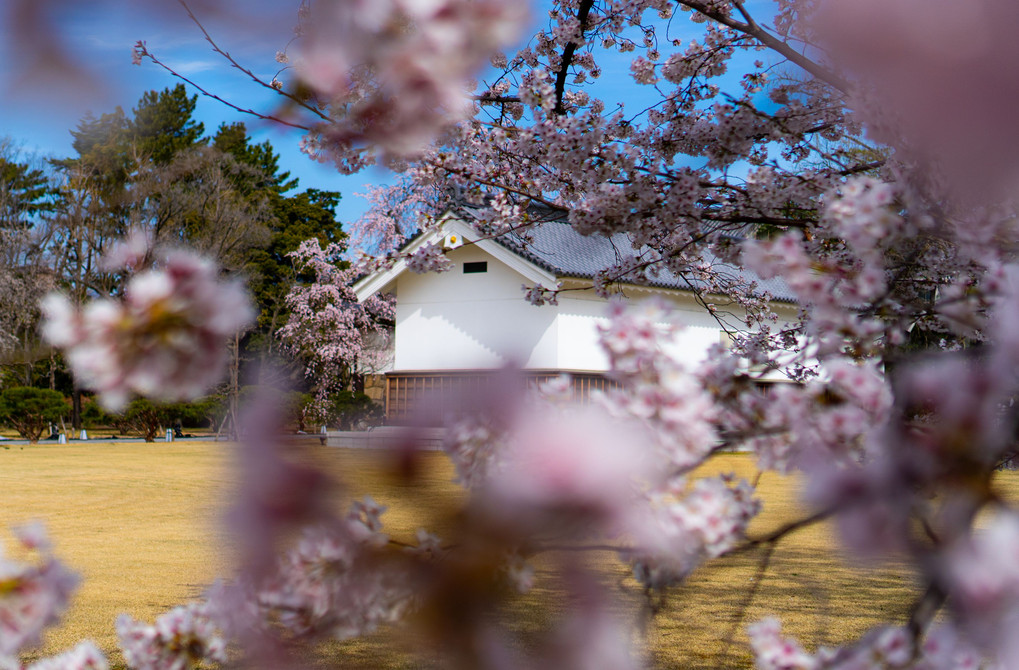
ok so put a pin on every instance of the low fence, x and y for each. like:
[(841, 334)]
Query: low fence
[(386, 437), (427, 397)]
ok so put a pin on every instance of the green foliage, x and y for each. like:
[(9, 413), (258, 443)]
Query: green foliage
[(233, 139), (25, 193), (295, 410), (103, 148), (201, 413), (108, 146), (146, 416), (94, 416), (354, 410), (223, 195), (30, 410), (163, 124), (307, 215), (149, 418)]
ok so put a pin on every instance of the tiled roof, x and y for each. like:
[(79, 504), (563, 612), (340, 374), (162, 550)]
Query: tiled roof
[(558, 248)]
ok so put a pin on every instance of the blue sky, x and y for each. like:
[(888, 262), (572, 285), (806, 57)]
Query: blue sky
[(101, 33), (39, 114)]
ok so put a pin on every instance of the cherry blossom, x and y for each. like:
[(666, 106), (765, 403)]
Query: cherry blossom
[(774, 652), (34, 596), (84, 656), (884, 647), (870, 174), (686, 528), (328, 326), (165, 339), (178, 640), (572, 464), (391, 89)]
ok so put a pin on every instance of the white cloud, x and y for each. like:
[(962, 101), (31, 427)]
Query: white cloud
[(194, 66)]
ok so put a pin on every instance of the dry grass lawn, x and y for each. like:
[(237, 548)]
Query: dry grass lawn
[(139, 522)]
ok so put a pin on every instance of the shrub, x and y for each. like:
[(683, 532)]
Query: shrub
[(354, 410), (201, 413), (30, 410), (296, 409), (146, 416)]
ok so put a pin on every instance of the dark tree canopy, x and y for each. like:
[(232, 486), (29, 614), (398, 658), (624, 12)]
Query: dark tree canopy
[(163, 123), (29, 410)]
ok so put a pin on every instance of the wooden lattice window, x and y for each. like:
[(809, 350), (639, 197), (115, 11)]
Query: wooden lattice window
[(428, 397)]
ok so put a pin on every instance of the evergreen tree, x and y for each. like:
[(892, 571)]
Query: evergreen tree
[(232, 138), (163, 124), (25, 193)]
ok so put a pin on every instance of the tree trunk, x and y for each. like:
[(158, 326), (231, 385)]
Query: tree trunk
[(235, 390), (76, 407), (27, 353)]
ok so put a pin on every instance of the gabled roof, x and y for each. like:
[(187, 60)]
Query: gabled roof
[(374, 282), (551, 250), (555, 246)]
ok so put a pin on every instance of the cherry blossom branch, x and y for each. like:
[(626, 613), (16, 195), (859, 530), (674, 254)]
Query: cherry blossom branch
[(780, 533), (567, 58), (767, 39), (924, 610), (579, 547)]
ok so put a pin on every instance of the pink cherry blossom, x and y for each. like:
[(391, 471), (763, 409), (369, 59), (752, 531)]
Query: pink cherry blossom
[(84, 656), (774, 652), (391, 89), (572, 463), (179, 639), (34, 595), (166, 339), (685, 528)]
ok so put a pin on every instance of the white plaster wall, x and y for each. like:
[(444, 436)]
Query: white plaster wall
[(700, 331), (452, 320), (581, 313), (577, 347)]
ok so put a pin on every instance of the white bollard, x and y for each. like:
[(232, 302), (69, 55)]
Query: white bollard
[(84, 434), (169, 434), (62, 439)]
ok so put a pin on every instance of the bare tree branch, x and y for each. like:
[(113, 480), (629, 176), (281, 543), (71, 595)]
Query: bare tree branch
[(258, 80)]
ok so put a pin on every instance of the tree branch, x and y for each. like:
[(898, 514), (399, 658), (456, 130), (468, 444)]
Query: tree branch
[(924, 610), (496, 99), (753, 29), (749, 597), (560, 81), (252, 75), (265, 117), (788, 528)]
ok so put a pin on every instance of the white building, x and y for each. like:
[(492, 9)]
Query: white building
[(453, 328)]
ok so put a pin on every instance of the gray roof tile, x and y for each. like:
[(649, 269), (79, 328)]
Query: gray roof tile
[(558, 248)]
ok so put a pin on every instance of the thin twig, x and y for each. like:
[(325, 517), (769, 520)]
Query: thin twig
[(924, 611), (788, 528), (258, 80), (209, 94)]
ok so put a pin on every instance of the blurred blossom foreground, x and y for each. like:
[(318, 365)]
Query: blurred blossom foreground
[(859, 154)]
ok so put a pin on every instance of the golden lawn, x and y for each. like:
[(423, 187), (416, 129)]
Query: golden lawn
[(139, 522)]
